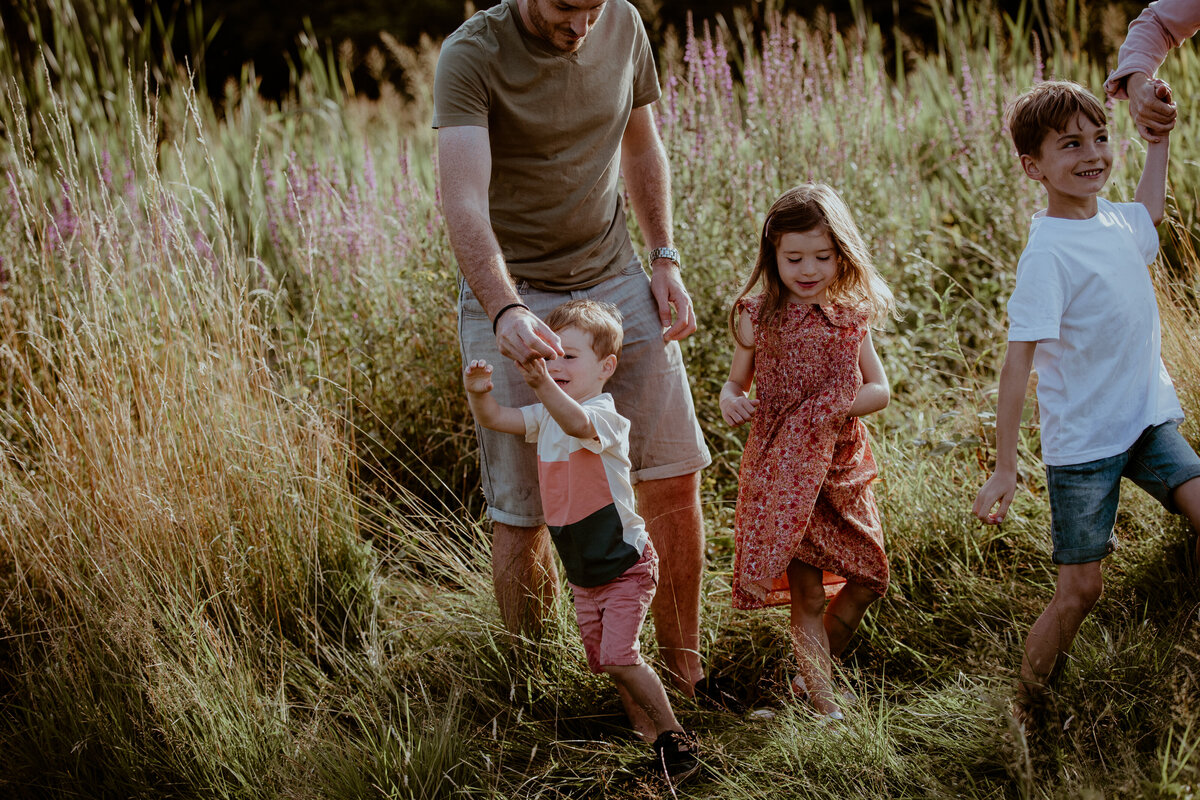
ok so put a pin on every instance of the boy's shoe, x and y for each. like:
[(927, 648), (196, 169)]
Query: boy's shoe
[(675, 753)]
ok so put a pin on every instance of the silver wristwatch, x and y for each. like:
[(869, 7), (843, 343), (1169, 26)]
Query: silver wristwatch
[(669, 253)]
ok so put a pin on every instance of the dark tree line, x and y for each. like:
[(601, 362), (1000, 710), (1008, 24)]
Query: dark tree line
[(266, 33)]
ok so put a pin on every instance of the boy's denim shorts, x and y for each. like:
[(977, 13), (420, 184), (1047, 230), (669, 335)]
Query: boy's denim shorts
[(650, 388), (1083, 497)]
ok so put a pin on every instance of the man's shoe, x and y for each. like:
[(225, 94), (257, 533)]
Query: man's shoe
[(675, 753), (713, 691)]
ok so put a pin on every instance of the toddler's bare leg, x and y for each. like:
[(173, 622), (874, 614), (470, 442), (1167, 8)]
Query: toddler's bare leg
[(844, 614), (1079, 587), (809, 639), (645, 699)]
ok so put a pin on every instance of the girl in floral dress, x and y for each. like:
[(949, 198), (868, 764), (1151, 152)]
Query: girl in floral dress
[(807, 527)]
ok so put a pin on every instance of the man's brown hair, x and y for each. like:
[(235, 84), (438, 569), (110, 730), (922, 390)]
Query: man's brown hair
[(600, 320), (1050, 106)]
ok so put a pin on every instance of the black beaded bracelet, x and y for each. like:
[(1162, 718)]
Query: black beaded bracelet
[(509, 307)]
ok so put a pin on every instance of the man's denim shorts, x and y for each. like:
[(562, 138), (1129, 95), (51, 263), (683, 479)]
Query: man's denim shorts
[(1083, 497), (650, 388)]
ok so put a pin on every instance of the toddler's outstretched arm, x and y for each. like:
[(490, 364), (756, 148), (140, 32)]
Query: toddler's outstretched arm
[(736, 407), (874, 394), (477, 378), (1000, 488), (568, 413)]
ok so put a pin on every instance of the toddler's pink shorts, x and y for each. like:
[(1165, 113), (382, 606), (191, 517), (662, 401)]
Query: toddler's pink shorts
[(610, 615)]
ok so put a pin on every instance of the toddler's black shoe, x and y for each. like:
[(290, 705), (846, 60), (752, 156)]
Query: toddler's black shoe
[(676, 755)]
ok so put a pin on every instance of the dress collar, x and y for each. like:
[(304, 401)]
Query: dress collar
[(841, 316)]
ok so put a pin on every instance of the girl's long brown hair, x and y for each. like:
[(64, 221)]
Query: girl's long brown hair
[(803, 208)]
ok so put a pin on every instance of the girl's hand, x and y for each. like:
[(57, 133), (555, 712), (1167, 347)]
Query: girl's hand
[(737, 409), (477, 377)]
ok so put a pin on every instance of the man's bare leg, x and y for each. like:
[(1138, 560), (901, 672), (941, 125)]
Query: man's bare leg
[(523, 576), (671, 508), (1079, 587)]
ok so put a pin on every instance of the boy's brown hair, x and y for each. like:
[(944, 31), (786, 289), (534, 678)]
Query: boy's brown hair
[(1049, 106), (600, 320)]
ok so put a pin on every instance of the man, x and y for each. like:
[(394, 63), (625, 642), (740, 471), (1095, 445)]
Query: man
[(540, 105)]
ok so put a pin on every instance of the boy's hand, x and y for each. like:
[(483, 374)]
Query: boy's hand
[(534, 372), (999, 488), (477, 377), (737, 410)]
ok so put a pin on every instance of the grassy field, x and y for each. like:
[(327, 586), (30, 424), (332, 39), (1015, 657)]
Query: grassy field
[(241, 545)]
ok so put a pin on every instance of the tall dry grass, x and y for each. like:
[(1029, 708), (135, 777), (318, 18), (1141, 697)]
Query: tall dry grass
[(239, 546)]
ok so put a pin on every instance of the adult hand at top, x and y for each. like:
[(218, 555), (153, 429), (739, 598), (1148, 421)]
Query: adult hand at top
[(524, 338), (1150, 105), (666, 285)]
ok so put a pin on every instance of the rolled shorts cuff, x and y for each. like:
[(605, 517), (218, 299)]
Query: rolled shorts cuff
[(1176, 479), (1086, 555), (676, 470), (515, 520)]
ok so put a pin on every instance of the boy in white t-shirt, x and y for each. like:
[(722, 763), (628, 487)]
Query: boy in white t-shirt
[(583, 475), (1084, 312)]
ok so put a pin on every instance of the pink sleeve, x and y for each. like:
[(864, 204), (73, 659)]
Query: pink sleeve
[(1162, 25)]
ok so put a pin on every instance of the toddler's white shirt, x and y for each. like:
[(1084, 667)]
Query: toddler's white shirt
[(1085, 296)]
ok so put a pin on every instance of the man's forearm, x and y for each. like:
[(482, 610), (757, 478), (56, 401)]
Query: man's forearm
[(648, 179), (480, 259)]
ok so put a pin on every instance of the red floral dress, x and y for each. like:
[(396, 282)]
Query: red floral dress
[(804, 489)]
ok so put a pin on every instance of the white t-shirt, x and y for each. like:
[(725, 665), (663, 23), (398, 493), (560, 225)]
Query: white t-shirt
[(1084, 295), (586, 494)]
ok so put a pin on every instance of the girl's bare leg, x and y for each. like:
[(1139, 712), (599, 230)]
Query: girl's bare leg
[(809, 639), (844, 614)]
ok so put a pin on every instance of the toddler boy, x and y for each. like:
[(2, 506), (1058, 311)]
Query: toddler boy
[(1084, 312), (583, 472)]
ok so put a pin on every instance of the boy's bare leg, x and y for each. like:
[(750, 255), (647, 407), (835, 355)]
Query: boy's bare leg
[(1079, 587), (523, 576), (1187, 499), (809, 639), (671, 508), (641, 689), (844, 614)]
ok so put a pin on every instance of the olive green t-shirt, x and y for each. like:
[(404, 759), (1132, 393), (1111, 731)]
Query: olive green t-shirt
[(555, 122)]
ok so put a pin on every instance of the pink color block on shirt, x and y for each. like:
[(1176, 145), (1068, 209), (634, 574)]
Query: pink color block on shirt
[(575, 489)]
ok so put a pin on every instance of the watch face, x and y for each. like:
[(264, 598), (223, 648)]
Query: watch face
[(665, 252)]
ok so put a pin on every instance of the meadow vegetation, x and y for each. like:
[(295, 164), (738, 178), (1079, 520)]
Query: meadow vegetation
[(241, 545)]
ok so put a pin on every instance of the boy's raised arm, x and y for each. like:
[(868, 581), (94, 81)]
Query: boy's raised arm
[(1152, 188), (569, 414), (477, 378), (1000, 488)]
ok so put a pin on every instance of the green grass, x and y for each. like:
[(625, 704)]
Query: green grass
[(241, 545)]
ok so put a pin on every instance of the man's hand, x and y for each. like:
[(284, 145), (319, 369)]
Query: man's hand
[(999, 488), (1150, 105), (524, 338), (477, 377), (669, 293)]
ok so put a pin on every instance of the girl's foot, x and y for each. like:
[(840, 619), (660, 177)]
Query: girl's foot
[(828, 708), (844, 694)]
